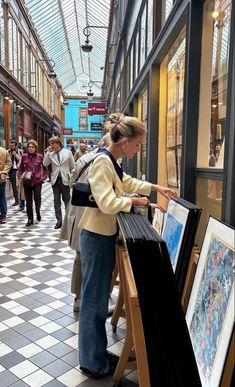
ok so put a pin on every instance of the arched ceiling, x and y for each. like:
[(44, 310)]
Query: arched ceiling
[(60, 25)]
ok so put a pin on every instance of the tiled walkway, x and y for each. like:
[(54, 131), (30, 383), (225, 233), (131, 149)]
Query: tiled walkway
[(38, 328)]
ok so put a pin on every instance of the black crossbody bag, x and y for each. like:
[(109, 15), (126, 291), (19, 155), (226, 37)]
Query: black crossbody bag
[(81, 194)]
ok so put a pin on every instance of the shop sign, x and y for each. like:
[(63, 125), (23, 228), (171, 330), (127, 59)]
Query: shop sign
[(96, 126), (68, 131), (97, 108)]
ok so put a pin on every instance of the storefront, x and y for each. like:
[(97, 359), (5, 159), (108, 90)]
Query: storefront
[(181, 84)]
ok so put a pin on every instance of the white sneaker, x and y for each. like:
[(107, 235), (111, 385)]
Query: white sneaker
[(76, 305)]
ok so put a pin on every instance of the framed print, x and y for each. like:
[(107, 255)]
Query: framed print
[(173, 230), (172, 179), (158, 220), (210, 312), (179, 230)]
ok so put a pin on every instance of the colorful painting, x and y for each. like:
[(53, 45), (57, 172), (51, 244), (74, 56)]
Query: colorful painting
[(210, 313), (173, 229), (172, 235)]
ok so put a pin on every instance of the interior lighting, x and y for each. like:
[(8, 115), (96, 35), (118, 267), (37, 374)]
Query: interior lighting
[(90, 94), (6, 97), (215, 14), (11, 100)]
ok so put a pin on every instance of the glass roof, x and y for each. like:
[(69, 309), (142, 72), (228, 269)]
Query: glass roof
[(60, 25)]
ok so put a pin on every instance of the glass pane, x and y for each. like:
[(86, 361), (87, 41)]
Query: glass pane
[(137, 54), (214, 82), (142, 37), (166, 9), (171, 93), (2, 35), (209, 198), (150, 26)]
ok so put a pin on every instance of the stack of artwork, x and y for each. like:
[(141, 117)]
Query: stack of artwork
[(164, 324), (177, 227)]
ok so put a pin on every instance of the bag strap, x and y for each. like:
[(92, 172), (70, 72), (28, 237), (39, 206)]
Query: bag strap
[(86, 166), (117, 167)]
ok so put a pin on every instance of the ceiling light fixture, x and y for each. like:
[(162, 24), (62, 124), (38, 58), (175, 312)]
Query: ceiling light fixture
[(87, 47)]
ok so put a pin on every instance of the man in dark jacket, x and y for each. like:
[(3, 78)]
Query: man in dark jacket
[(15, 155)]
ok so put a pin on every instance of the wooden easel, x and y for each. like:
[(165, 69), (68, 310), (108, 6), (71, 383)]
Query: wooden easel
[(134, 328)]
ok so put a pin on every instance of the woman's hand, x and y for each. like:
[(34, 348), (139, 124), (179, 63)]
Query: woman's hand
[(166, 192), (140, 201)]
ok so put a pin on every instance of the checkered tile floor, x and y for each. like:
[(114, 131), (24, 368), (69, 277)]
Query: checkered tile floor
[(38, 328)]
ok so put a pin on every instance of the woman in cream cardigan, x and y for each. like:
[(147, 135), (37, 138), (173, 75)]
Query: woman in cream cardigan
[(98, 238)]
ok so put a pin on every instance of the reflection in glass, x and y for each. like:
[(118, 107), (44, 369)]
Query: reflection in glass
[(166, 9), (221, 18)]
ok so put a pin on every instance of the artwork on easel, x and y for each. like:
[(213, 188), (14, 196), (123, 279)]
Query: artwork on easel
[(179, 230), (210, 312), (173, 230)]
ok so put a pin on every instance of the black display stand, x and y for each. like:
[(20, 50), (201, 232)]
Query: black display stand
[(170, 354)]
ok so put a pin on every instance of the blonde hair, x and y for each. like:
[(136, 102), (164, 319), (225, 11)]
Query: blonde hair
[(104, 141), (121, 126), (34, 143)]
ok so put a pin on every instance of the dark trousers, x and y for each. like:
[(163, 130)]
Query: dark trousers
[(12, 177), (32, 192), (59, 189)]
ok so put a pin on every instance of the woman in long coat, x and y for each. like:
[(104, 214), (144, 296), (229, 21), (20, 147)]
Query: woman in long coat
[(33, 162)]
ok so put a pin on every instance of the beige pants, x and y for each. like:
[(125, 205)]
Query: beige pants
[(76, 281)]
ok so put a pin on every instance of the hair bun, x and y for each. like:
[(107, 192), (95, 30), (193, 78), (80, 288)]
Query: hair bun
[(115, 118)]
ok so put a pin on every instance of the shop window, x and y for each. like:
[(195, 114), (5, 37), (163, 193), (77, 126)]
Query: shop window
[(214, 83), (150, 25), (143, 115), (83, 119), (2, 35), (33, 75), (174, 115), (143, 37), (171, 114), (166, 9), (209, 198)]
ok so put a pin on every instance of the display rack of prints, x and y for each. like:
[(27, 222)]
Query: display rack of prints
[(171, 359)]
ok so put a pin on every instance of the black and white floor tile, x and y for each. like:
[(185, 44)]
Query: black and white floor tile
[(38, 328)]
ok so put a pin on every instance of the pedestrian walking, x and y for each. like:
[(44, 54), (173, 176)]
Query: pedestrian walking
[(62, 164)]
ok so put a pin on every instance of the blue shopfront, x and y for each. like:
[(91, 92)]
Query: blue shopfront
[(82, 123)]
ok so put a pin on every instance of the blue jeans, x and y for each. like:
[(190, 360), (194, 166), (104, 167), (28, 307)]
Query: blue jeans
[(3, 201), (98, 260)]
